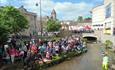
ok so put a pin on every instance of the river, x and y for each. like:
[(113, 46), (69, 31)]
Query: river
[(89, 61)]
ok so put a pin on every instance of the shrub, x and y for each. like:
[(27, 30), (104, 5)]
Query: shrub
[(84, 40), (108, 44)]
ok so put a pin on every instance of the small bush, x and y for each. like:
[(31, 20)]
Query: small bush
[(85, 40), (108, 44)]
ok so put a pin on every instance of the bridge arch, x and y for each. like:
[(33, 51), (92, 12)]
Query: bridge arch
[(91, 37)]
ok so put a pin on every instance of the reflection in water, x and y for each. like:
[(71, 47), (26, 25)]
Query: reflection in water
[(88, 61)]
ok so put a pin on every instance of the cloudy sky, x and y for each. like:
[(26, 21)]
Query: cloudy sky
[(66, 9)]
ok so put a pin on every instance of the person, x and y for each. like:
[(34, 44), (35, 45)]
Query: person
[(1, 53), (34, 49), (42, 48), (48, 56), (12, 52), (105, 64), (5, 47)]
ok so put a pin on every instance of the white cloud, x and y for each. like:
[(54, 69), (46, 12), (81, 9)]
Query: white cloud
[(65, 10), (4, 2), (72, 10)]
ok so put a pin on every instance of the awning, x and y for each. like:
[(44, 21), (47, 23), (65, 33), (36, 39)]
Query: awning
[(87, 27)]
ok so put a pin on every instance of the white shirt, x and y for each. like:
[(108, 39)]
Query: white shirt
[(105, 60)]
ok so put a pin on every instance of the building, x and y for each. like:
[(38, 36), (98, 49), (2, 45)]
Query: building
[(103, 17), (32, 18), (43, 26), (98, 17), (73, 25), (68, 25), (53, 15), (109, 17)]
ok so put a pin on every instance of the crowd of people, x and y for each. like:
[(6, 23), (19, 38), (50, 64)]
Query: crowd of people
[(41, 50)]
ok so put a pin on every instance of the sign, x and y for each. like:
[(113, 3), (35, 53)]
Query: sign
[(107, 31)]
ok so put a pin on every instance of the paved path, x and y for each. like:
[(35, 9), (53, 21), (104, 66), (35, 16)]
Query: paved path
[(88, 61)]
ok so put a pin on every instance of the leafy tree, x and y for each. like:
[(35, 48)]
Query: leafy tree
[(4, 32), (11, 21), (108, 44), (53, 25), (80, 19), (13, 18), (88, 18)]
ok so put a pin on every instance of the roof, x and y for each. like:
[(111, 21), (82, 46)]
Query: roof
[(25, 11), (53, 11), (97, 7)]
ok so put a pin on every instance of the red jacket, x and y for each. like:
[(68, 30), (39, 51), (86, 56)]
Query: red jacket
[(34, 49), (13, 52)]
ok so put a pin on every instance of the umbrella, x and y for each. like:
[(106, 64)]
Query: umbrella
[(87, 27)]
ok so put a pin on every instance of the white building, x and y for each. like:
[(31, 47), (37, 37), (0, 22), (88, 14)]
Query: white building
[(73, 25), (103, 17), (98, 17), (109, 22)]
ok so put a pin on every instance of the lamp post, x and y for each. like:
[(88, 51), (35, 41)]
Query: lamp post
[(35, 25), (40, 17)]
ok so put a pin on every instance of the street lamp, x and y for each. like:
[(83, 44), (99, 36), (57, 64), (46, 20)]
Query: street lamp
[(35, 24), (40, 17)]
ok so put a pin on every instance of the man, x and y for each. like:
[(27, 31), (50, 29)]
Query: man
[(105, 64), (1, 53)]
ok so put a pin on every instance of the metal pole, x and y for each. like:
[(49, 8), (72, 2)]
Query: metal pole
[(35, 24), (41, 19)]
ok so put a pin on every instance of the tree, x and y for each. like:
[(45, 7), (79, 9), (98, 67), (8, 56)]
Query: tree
[(53, 25), (13, 18), (11, 21), (108, 44), (4, 32), (80, 19), (88, 18)]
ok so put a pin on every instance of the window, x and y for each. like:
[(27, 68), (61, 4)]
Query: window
[(113, 31), (108, 11), (108, 29), (101, 24)]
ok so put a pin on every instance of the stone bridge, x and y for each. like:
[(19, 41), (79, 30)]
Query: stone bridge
[(90, 36)]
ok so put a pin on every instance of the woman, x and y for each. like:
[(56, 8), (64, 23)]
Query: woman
[(105, 64), (12, 53)]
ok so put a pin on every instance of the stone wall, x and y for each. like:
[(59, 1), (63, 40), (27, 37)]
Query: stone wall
[(103, 37)]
